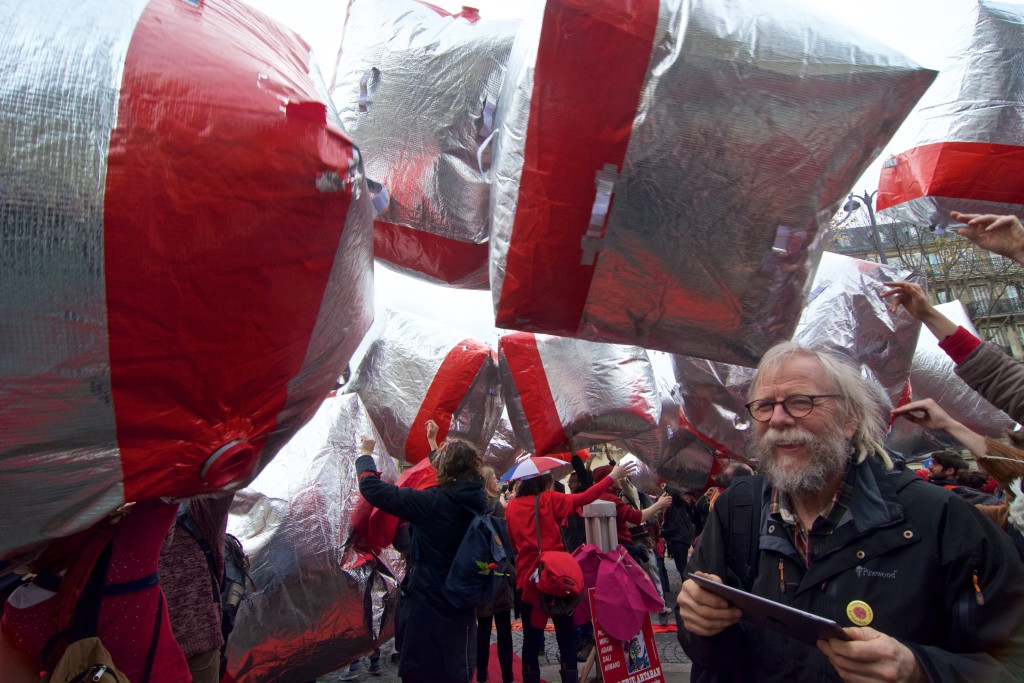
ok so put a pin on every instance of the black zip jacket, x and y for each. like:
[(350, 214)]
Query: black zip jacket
[(937, 575)]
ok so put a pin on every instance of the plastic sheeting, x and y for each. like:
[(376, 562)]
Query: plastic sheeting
[(504, 449), (566, 394), (318, 604), (670, 187), (845, 314), (417, 370), (675, 453), (932, 376), (161, 333), (416, 88), (968, 154)]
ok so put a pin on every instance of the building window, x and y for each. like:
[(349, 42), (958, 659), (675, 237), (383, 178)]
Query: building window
[(942, 295), (995, 335), (933, 261), (979, 294), (1020, 331)]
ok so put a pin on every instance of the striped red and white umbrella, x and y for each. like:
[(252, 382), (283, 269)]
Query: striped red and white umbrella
[(533, 466)]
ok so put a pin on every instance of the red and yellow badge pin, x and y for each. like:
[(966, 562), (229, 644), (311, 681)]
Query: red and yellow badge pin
[(860, 613)]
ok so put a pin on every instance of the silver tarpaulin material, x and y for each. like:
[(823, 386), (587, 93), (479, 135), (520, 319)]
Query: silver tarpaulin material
[(969, 153), (318, 604), (844, 314), (672, 183), (504, 449), (566, 394), (418, 370), (416, 88), (161, 334), (932, 377), (674, 453)]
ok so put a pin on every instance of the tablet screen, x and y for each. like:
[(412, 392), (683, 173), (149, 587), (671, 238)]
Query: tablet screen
[(810, 628)]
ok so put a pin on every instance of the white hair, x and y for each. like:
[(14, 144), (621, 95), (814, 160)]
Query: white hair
[(858, 401)]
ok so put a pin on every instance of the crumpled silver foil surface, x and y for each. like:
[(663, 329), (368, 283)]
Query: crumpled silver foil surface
[(135, 219), (414, 360), (969, 149), (845, 314), (416, 88), (751, 124), (318, 604), (504, 449), (566, 394), (932, 376), (670, 450)]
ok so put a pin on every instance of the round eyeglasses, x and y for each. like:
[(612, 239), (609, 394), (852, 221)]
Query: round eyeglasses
[(797, 405)]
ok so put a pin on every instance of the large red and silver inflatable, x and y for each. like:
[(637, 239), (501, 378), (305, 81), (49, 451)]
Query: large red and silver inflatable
[(418, 370), (416, 87), (186, 266), (567, 394), (845, 314), (318, 602), (969, 153), (663, 170)]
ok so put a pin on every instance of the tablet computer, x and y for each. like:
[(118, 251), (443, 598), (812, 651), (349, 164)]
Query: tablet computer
[(789, 621)]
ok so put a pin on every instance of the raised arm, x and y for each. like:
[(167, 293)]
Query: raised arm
[(406, 503), (912, 297)]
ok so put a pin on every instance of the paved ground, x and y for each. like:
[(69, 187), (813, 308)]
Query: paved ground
[(675, 664)]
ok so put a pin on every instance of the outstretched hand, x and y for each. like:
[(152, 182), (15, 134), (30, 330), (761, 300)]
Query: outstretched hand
[(1003, 235), (926, 413), (912, 297), (620, 471), (366, 445)]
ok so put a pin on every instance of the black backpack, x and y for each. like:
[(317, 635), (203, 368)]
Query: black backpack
[(480, 564), (230, 588)]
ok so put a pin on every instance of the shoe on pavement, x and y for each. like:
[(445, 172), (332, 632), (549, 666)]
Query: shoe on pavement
[(351, 673), (374, 669)]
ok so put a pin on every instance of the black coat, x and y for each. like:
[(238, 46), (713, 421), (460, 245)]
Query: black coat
[(909, 549), (682, 522), (436, 634)]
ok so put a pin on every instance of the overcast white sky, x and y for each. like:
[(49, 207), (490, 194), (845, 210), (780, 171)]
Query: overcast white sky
[(927, 31)]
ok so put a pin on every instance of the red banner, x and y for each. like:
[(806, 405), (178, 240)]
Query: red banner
[(627, 661)]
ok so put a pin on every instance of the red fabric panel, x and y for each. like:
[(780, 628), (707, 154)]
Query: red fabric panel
[(453, 379), (457, 263), (591, 66), (531, 383), (218, 245), (961, 170)]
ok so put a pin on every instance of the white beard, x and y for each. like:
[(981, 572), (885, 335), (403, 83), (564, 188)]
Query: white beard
[(827, 456)]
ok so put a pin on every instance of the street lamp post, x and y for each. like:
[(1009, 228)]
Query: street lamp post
[(853, 202)]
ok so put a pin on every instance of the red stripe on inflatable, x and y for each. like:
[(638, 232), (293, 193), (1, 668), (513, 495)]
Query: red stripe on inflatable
[(591, 65), (453, 262), (218, 245), (450, 385), (531, 383), (959, 170)]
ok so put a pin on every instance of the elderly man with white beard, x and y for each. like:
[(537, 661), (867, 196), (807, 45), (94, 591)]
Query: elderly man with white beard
[(926, 588)]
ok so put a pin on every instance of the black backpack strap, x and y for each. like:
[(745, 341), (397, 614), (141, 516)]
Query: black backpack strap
[(536, 518), (151, 654), (744, 528), (186, 522)]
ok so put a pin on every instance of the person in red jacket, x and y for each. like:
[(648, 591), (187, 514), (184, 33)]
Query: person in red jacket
[(522, 522), (625, 515)]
